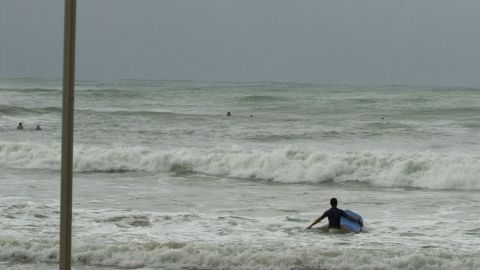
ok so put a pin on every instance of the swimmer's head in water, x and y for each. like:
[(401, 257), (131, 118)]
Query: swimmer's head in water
[(333, 202)]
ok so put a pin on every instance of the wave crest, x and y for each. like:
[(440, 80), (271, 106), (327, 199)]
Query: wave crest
[(377, 168), (178, 255), (16, 110), (260, 98)]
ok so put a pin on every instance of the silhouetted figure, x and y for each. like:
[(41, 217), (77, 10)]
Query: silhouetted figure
[(228, 114), (334, 214), (251, 115), (38, 127), (20, 125)]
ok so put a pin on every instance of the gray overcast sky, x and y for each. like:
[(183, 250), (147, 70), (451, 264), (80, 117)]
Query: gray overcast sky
[(422, 42)]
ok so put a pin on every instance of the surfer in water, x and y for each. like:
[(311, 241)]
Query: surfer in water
[(38, 127), (334, 214), (20, 125)]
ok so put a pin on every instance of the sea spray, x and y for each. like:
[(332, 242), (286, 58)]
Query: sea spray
[(377, 168)]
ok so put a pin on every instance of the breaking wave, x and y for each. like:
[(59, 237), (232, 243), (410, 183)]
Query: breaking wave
[(377, 168), (180, 255)]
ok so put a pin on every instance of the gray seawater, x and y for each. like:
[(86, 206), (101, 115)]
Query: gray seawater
[(165, 180)]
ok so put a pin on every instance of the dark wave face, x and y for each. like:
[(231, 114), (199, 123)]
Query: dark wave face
[(261, 98), (14, 110), (263, 114)]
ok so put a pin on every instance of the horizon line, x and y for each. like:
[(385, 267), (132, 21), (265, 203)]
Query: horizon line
[(377, 84)]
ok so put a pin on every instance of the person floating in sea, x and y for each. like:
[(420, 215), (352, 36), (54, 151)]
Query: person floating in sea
[(229, 114), (38, 127), (20, 125), (334, 214)]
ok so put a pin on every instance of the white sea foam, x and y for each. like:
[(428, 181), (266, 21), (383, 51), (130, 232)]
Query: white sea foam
[(178, 255), (377, 168)]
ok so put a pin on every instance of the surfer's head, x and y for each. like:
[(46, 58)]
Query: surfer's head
[(333, 202)]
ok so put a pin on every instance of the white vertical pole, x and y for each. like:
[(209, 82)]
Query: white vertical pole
[(67, 136)]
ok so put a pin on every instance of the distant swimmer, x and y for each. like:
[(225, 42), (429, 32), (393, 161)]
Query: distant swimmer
[(334, 214), (229, 114), (38, 127), (20, 125), (251, 115)]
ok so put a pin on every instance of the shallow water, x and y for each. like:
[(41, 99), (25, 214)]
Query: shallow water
[(164, 180)]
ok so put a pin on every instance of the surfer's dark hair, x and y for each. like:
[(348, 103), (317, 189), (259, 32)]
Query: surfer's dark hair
[(333, 202)]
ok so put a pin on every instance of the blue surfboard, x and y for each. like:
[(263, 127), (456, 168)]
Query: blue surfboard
[(353, 224)]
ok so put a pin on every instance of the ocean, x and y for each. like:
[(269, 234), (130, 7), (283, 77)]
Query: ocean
[(165, 180)]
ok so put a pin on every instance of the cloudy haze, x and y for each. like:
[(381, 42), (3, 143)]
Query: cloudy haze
[(429, 42)]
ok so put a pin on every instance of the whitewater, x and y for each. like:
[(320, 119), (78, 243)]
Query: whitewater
[(165, 180)]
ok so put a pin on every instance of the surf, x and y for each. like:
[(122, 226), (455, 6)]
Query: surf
[(287, 165)]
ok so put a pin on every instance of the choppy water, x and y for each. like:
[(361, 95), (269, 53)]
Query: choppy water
[(165, 180)]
